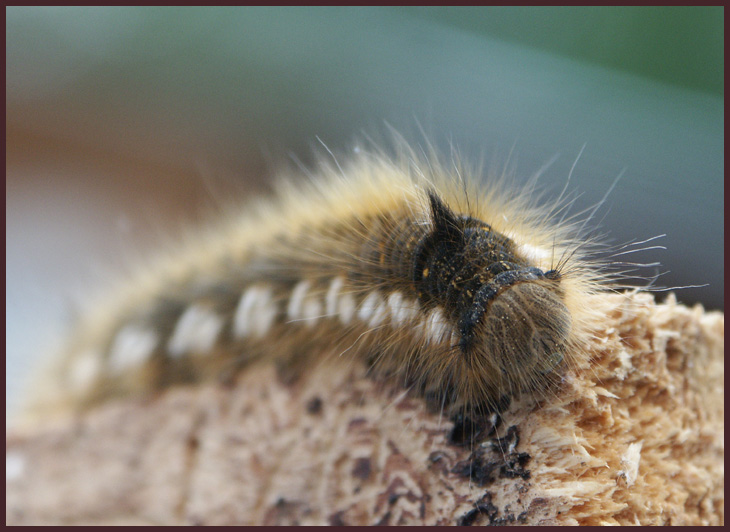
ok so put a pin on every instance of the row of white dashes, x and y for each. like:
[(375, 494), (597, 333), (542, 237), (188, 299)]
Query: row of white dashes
[(435, 328), (198, 327), (374, 310)]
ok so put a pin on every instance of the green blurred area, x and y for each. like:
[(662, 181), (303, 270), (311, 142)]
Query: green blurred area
[(679, 45)]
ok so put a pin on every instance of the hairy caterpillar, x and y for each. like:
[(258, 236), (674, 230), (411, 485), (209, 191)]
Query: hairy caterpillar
[(462, 291)]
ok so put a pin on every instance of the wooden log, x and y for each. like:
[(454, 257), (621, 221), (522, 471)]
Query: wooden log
[(636, 436)]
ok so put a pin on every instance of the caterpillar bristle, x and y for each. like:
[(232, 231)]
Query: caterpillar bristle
[(463, 290)]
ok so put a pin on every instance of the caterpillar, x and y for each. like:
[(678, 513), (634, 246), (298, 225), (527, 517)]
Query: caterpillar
[(463, 291)]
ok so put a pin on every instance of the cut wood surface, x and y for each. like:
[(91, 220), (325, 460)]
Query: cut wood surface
[(636, 436)]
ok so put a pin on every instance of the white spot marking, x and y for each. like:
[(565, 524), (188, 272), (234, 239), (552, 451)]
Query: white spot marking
[(243, 318), (255, 312), (436, 327), (14, 466), (372, 309), (332, 296), (379, 314), (196, 330), (347, 308), (265, 317), (397, 313), (296, 301), (401, 309), (311, 310), (85, 369), (131, 347)]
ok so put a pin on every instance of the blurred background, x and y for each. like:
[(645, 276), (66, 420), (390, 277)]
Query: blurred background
[(124, 124)]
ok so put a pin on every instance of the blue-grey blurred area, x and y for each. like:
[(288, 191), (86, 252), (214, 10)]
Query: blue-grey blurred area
[(126, 123)]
